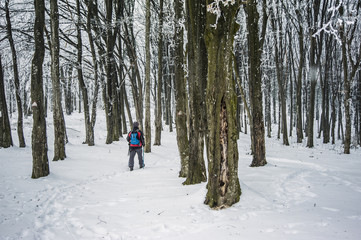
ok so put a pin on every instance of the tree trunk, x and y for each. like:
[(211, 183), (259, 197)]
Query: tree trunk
[(110, 91), (58, 116), (135, 80), (90, 136), (326, 93), (180, 92), (39, 137), (196, 11), (147, 132), (299, 128), (158, 119), (20, 130), (280, 80), (255, 85), (223, 185), (5, 128), (347, 36)]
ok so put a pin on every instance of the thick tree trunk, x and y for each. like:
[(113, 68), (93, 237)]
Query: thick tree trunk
[(223, 185), (39, 137), (20, 130), (147, 132), (180, 92), (196, 22), (58, 116), (5, 128)]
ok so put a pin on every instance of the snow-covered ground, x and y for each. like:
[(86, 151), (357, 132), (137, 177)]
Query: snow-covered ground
[(301, 194)]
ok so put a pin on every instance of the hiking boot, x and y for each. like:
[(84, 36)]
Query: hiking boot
[(131, 169), (142, 166)]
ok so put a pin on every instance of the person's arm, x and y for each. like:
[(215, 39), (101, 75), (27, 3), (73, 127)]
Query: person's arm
[(142, 138)]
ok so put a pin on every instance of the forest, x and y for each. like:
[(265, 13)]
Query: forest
[(211, 69)]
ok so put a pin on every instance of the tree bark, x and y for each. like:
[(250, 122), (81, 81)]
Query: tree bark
[(299, 128), (5, 128), (158, 118), (39, 138), (58, 116), (280, 79), (148, 130), (180, 91), (255, 85), (196, 22), (90, 128), (347, 36), (223, 185), (20, 130)]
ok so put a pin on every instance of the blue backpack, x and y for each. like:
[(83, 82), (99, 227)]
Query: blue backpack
[(134, 139)]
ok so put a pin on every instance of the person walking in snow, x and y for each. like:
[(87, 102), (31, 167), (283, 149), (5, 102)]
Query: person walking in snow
[(135, 139)]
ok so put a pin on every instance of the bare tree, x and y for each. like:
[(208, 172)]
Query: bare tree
[(58, 116), (20, 130), (181, 92), (147, 132), (5, 129), (158, 117), (255, 45), (39, 137)]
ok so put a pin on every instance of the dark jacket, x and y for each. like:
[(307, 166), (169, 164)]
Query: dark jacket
[(141, 138)]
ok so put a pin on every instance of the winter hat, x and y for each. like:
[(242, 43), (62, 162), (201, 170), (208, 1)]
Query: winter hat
[(135, 124)]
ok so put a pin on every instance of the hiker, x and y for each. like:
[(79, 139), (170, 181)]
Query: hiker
[(135, 139)]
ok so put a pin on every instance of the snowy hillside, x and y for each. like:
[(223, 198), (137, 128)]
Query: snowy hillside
[(301, 194)]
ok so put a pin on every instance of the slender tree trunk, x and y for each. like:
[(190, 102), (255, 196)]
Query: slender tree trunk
[(20, 130), (314, 62), (82, 86), (291, 78), (135, 79), (223, 185), (68, 92), (5, 128), (109, 72), (158, 119), (255, 85), (281, 82), (58, 116), (347, 96), (96, 79), (147, 132), (340, 133), (347, 35), (180, 91), (326, 93), (299, 128), (359, 107), (39, 137)]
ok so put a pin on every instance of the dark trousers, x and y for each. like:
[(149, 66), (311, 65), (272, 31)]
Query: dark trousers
[(132, 152)]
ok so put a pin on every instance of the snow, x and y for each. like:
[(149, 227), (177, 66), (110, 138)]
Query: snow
[(301, 194)]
